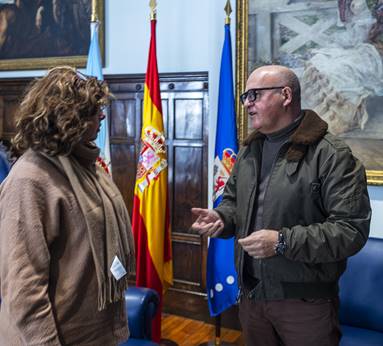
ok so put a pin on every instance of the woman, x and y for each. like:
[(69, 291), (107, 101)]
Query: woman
[(66, 245)]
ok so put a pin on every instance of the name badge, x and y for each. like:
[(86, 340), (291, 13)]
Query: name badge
[(117, 269)]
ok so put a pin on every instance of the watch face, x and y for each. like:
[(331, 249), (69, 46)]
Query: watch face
[(281, 247)]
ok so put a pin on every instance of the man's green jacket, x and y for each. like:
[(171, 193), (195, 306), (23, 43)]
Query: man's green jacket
[(316, 196)]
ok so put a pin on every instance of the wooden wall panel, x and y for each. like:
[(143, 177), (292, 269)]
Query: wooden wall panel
[(11, 104), (11, 91), (185, 273), (165, 115), (188, 186), (121, 126), (123, 170), (189, 118)]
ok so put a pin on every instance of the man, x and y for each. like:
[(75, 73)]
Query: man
[(298, 205)]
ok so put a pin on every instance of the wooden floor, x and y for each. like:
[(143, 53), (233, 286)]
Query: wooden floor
[(182, 331)]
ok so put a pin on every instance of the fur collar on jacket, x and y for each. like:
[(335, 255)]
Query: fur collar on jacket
[(311, 129)]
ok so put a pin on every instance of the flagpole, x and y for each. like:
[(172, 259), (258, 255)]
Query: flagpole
[(153, 9), (94, 68), (150, 215), (218, 318), (217, 338), (93, 17)]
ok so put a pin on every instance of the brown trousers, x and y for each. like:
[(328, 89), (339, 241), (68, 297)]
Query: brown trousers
[(290, 322)]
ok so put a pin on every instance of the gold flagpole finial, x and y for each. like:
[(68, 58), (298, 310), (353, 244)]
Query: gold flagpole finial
[(228, 10), (153, 9), (94, 11)]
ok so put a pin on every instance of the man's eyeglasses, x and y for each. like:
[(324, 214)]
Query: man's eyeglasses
[(251, 94)]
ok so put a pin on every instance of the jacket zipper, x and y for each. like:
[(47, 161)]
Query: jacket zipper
[(262, 263), (240, 264)]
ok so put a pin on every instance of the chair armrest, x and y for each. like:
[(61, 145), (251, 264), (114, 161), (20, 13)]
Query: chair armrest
[(141, 305)]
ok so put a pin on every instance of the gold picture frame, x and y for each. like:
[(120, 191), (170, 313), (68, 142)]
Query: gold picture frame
[(368, 150), (28, 60)]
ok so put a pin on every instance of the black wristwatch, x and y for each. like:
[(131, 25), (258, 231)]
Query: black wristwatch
[(281, 245)]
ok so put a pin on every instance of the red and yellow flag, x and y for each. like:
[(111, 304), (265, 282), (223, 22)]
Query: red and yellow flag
[(150, 222)]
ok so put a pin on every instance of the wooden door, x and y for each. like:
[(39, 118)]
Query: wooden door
[(11, 91), (185, 109)]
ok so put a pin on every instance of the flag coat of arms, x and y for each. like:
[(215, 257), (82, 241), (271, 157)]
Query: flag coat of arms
[(221, 280), (150, 221)]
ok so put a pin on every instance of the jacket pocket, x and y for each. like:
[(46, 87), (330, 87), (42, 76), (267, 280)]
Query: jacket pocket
[(315, 188)]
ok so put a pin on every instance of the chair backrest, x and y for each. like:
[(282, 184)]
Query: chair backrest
[(141, 306), (361, 288)]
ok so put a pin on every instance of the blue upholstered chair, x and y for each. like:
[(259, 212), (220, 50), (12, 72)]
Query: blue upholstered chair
[(361, 297), (141, 306)]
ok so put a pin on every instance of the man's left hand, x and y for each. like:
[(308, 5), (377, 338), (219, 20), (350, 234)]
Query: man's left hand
[(260, 244)]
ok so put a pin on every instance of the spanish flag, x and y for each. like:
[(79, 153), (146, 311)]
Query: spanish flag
[(150, 222)]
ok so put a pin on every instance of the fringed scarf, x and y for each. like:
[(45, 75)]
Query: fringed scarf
[(107, 220)]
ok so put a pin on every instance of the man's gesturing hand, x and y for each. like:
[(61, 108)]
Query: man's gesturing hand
[(208, 222), (261, 243)]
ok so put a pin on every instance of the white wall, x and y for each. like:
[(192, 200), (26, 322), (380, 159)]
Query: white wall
[(189, 38)]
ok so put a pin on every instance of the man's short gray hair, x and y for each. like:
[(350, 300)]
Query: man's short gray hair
[(292, 81)]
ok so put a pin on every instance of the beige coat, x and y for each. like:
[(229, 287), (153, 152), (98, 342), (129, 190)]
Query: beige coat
[(47, 275)]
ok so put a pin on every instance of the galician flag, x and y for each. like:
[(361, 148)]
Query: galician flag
[(94, 68), (150, 222), (221, 280)]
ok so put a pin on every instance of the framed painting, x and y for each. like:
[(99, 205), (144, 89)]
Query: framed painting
[(36, 34), (336, 49)]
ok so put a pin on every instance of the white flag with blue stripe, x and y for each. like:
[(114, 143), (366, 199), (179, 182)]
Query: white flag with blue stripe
[(94, 68)]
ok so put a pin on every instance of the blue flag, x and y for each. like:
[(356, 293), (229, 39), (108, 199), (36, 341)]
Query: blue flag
[(222, 284), (94, 68)]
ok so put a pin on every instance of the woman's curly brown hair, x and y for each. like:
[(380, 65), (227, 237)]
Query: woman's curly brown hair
[(55, 111)]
